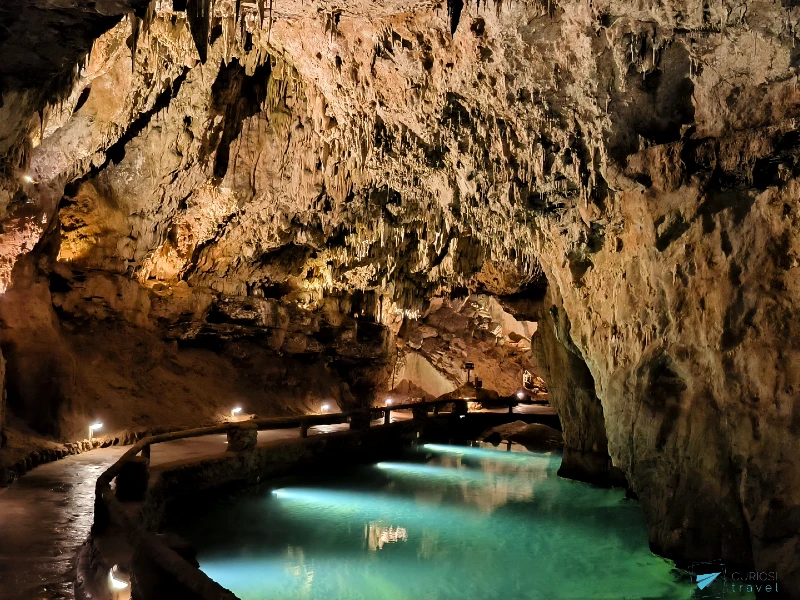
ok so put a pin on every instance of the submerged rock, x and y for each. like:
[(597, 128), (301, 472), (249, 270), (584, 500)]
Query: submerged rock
[(535, 437)]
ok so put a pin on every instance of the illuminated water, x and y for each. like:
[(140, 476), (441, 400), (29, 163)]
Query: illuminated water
[(445, 523)]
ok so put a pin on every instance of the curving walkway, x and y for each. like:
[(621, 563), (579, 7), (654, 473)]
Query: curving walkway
[(46, 515), (44, 518)]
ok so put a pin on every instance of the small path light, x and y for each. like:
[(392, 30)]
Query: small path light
[(236, 410), (94, 427), (389, 401), (520, 394), (325, 407), (118, 583)]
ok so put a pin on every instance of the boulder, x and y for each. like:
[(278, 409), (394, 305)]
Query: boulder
[(535, 437)]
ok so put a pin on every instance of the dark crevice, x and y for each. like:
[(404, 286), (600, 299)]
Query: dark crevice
[(738, 320), (676, 228), (239, 97), (82, 98), (116, 152)]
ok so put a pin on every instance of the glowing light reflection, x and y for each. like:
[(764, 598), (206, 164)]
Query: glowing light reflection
[(433, 472), (336, 505), (486, 453)]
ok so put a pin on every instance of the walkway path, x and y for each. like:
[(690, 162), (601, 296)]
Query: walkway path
[(47, 514), (44, 518)]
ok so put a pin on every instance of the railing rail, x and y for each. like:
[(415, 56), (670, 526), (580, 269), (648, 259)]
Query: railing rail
[(277, 423)]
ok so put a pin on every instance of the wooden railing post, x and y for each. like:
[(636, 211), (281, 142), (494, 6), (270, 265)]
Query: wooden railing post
[(304, 428), (387, 416)]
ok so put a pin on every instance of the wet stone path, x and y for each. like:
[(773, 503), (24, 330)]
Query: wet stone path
[(47, 514), (44, 518)]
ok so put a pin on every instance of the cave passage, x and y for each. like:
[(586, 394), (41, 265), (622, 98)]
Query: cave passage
[(225, 216)]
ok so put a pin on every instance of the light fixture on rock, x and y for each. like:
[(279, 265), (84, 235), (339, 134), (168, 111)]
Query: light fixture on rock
[(236, 411), (94, 427), (118, 583)]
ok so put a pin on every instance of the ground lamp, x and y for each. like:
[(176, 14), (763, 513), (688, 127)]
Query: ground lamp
[(119, 584)]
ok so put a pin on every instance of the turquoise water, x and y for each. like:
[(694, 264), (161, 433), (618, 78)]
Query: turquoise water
[(442, 523)]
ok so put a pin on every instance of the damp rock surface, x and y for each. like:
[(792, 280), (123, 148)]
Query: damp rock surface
[(308, 180)]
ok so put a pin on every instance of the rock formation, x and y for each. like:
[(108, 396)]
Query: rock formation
[(454, 331), (293, 184)]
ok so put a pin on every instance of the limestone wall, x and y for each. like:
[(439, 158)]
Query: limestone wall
[(643, 159)]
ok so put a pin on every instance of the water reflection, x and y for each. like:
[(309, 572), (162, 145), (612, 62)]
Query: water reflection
[(445, 524), (377, 535), (483, 482)]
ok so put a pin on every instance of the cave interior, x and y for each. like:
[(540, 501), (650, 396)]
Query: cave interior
[(275, 206)]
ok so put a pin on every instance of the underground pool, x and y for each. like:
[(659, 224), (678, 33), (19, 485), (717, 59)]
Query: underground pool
[(442, 522)]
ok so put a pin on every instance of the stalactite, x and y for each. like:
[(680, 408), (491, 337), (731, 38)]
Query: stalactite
[(261, 12), (149, 16), (269, 29), (134, 39), (198, 13), (454, 8)]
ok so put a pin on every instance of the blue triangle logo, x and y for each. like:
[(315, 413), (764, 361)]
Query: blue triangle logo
[(703, 581)]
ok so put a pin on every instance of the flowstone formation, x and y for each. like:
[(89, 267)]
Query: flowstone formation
[(307, 177)]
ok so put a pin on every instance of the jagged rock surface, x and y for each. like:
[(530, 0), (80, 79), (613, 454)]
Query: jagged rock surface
[(452, 332), (643, 158)]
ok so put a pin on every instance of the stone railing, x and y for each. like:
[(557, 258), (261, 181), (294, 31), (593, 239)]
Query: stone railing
[(132, 511), (56, 451)]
